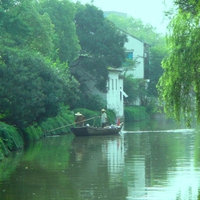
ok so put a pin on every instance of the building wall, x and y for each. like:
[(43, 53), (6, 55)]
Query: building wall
[(137, 47), (114, 95)]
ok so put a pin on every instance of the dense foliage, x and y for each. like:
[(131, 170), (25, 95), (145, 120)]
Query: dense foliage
[(180, 84), (30, 89), (39, 40), (135, 113), (10, 140), (32, 86), (22, 27), (191, 6), (43, 43), (102, 46), (65, 40)]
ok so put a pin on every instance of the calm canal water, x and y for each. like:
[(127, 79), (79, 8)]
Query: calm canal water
[(155, 160)]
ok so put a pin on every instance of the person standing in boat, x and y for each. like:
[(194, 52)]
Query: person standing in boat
[(104, 118), (80, 118)]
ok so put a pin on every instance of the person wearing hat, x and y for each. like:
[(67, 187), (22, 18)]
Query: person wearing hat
[(79, 119), (103, 118)]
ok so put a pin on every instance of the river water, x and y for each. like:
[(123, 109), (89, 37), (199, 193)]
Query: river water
[(154, 160)]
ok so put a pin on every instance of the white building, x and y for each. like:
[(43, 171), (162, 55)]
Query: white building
[(137, 50), (115, 93), (114, 96)]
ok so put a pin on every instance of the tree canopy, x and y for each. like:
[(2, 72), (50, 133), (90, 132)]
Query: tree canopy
[(179, 86), (102, 44), (30, 88), (39, 40), (33, 84), (65, 40)]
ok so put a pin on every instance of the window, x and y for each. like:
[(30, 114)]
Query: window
[(120, 94), (112, 84), (108, 85), (129, 55), (116, 83)]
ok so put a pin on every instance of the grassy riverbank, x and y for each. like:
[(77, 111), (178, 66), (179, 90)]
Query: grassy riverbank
[(12, 139), (135, 113)]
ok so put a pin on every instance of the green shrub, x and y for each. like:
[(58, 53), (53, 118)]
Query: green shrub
[(4, 152), (33, 133), (135, 113), (60, 124), (10, 137)]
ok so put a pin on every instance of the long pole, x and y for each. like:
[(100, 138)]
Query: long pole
[(69, 125)]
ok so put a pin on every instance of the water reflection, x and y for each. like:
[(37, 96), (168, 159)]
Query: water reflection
[(166, 169), (159, 162), (99, 160)]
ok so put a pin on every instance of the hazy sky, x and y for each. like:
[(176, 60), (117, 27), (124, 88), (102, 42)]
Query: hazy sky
[(149, 11)]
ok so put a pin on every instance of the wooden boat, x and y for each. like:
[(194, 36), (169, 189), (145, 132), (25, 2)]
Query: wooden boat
[(95, 131)]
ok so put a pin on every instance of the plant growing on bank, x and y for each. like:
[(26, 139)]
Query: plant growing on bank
[(179, 87), (10, 139), (135, 113), (32, 86), (31, 89)]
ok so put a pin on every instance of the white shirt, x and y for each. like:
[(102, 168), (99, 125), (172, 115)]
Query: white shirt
[(103, 117)]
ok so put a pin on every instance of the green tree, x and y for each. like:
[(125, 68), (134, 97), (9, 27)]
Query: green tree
[(191, 6), (158, 52), (135, 27), (102, 45), (23, 27), (62, 13), (131, 87), (136, 90), (179, 86), (31, 89)]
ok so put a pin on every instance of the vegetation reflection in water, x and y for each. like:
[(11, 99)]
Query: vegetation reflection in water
[(154, 165)]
